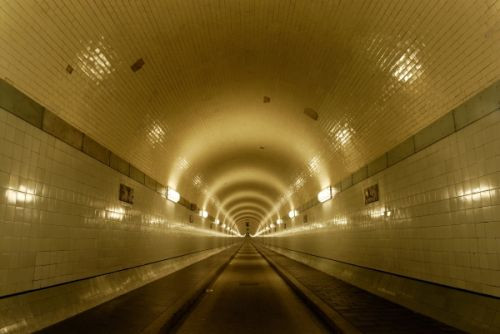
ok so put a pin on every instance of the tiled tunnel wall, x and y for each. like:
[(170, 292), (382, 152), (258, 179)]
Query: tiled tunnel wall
[(66, 241), (432, 240)]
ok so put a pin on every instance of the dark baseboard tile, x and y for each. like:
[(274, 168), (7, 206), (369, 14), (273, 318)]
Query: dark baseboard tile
[(436, 131), (58, 128), (400, 152), (360, 174), (137, 175), (96, 150), (20, 105), (346, 183), (377, 165)]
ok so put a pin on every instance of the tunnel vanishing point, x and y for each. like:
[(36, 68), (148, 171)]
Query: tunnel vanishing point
[(249, 166)]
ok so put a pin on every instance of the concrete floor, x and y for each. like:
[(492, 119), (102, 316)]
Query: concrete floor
[(249, 297)]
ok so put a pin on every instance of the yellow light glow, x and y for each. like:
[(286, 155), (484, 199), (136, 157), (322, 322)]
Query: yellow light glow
[(408, 67), (325, 195), (203, 214), (115, 213), (377, 213), (173, 195), (293, 213), (22, 195)]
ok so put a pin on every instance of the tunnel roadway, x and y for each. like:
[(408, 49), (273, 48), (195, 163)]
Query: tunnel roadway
[(239, 292), (249, 297)]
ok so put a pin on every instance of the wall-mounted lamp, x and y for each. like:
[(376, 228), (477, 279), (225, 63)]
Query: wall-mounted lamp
[(173, 195), (279, 221), (293, 213), (203, 214), (325, 195)]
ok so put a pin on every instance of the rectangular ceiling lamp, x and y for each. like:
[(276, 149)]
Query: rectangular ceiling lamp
[(325, 195), (173, 195)]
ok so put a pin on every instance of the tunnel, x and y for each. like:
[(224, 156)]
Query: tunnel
[(249, 166)]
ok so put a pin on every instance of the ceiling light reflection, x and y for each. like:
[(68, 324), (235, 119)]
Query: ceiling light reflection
[(407, 68)]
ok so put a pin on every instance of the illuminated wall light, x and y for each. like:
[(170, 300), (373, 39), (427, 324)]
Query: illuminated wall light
[(272, 225), (203, 214), (173, 195), (325, 195), (216, 222), (223, 225), (279, 221), (293, 213)]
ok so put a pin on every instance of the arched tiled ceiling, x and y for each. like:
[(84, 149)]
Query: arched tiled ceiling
[(255, 206), (240, 187), (194, 118), (248, 207), (248, 214), (248, 218)]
